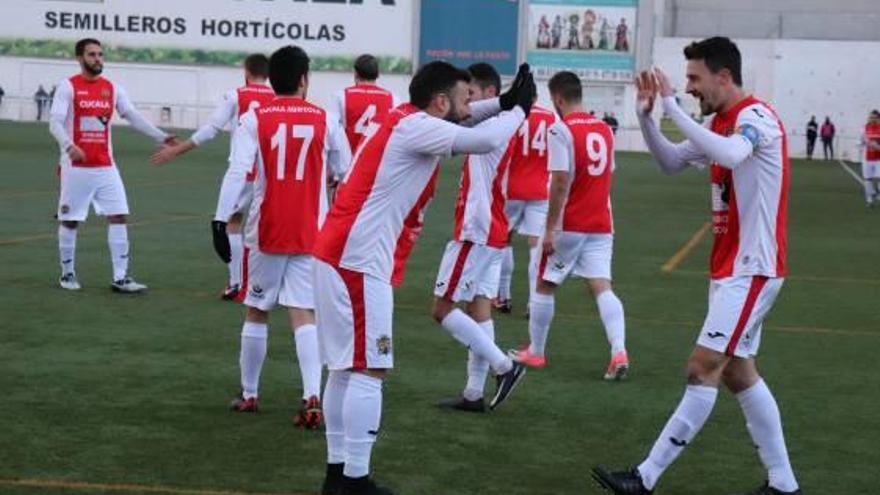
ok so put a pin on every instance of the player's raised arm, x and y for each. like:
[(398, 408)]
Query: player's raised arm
[(223, 113), (139, 122), (727, 151), (671, 157), (484, 109)]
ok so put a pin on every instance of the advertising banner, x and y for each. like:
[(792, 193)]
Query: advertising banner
[(219, 32), (593, 38), (464, 32)]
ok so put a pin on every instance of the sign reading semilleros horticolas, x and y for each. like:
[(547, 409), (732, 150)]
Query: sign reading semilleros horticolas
[(221, 32)]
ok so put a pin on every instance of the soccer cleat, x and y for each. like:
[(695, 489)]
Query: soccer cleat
[(507, 383), (333, 479), (618, 367), (230, 292), (621, 482), (766, 489), (462, 404), (242, 405), (362, 486), (503, 305), (127, 285), (527, 358), (68, 281), (310, 415)]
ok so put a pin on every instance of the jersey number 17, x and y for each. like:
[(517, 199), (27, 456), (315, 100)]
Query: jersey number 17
[(280, 139)]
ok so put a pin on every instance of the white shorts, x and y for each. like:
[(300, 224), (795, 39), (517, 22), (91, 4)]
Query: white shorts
[(871, 170), (579, 254), (468, 270), (83, 186), (737, 308), (244, 200), (527, 217), (354, 315), (279, 279)]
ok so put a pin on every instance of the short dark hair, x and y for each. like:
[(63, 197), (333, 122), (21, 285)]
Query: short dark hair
[(366, 67), (257, 65), (485, 75), (287, 66), (718, 53), (567, 85), (432, 78), (80, 48)]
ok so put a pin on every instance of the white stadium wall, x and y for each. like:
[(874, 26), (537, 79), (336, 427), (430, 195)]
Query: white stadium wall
[(800, 78)]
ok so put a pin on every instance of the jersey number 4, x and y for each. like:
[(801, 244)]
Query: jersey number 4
[(279, 141), (538, 141), (361, 124)]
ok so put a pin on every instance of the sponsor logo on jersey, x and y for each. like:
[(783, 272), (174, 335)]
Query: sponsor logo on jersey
[(677, 442), (383, 345), (102, 104)]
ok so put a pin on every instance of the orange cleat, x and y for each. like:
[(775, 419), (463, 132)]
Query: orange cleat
[(527, 358), (618, 367)]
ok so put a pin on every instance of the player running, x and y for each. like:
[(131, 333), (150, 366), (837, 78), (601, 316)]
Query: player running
[(526, 209), (746, 144), (579, 231), (472, 260), (235, 103), (293, 143), (871, 159), (80, 121), (364, 244)]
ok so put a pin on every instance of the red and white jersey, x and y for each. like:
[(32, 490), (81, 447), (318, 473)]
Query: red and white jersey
[(232, 106), (872, 135), (379, 207), (86, 107), (292, 142), (479, 209), (528, 177), (583, 146), (359, 105), (750, 201)]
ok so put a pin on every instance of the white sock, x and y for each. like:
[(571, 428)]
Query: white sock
[(765, 426), (534, 259), (236, 253), (117, 239), (478, 368), (506, 273), (683, 426), (253, 352), (362, 412), (469, 333), (540, 316), (67, 249), (334, 422), (309, 359), (611, 312)]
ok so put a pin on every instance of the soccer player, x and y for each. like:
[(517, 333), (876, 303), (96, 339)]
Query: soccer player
[(359, 105), (871, 158), (80, 121), (746, 145), (293, 142), (254, 94), (472, 261), (365, 242), (578, 233), (526, 208)]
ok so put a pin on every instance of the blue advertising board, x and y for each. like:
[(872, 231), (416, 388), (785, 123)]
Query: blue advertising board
[(464, 32)]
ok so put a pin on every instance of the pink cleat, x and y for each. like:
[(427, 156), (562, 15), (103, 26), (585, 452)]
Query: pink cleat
[(527, 358), (618, 367)]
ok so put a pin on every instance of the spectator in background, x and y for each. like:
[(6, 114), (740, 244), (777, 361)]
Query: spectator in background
[(827, 133), (612, 122), (812, 134), (2, 94), (41, 98)]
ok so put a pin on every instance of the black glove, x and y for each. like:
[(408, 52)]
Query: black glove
[(527, 94), (221, 240), (508, 98)]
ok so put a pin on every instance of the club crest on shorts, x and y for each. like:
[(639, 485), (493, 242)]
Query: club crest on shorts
[(257, 291), (65, 209), (383, 345)]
